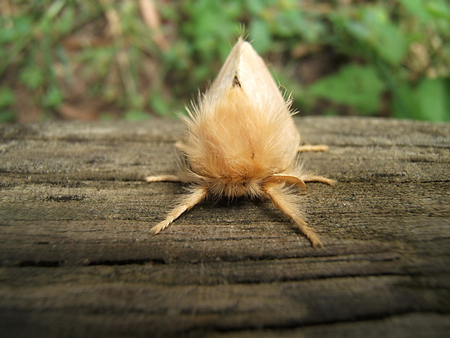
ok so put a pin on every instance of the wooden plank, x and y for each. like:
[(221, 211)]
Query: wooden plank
[(77, 260)]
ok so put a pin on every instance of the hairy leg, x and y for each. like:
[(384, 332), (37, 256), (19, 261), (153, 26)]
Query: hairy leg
[(285, 202), (195, 197), (315, 178), (163, 178), (318, 147), (288, 179)]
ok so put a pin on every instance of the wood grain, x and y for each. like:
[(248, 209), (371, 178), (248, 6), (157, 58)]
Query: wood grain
[(77, 260)]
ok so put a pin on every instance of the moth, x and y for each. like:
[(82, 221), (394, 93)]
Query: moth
[(241, 141)]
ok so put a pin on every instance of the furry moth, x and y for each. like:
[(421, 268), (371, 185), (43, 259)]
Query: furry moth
[(241, 141)]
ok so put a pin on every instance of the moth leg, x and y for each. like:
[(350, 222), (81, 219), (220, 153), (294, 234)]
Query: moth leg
[(316, 178), (318, 147), (181, 146), (163, 178), (285, 203), (195, 197), (288, 179)]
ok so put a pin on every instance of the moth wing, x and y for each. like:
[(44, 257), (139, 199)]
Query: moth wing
[(245, 67), (227, 73), (256, 80)]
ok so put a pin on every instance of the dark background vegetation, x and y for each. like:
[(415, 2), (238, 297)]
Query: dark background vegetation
[(105, 59)]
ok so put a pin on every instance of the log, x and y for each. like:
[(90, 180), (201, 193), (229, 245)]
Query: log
[(77, 260)]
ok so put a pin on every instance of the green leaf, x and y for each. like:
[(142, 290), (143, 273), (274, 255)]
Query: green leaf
[(404, 103), (260, 34), (66, 22), (438, 9), (359, 30), (255, 7), (159, 104), (389, 42), (433, 97), (375, 31), (6, 97), (136, 115), (32, 76), (53, 97), (417, 8), (428, 101), (353, 85), (23, 25)]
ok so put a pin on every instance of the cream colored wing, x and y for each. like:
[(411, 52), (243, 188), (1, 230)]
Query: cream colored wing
[(227, 73), (246, 68), (257, 81)]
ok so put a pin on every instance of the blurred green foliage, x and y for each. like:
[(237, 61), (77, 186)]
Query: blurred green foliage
[(130, 59)]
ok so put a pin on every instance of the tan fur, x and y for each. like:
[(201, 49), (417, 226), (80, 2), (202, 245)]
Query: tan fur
[(242, 141)]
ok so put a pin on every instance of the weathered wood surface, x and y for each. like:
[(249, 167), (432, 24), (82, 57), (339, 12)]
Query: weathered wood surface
[(77, 260)]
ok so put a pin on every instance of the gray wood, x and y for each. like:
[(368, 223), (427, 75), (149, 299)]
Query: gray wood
[(77, 260)]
